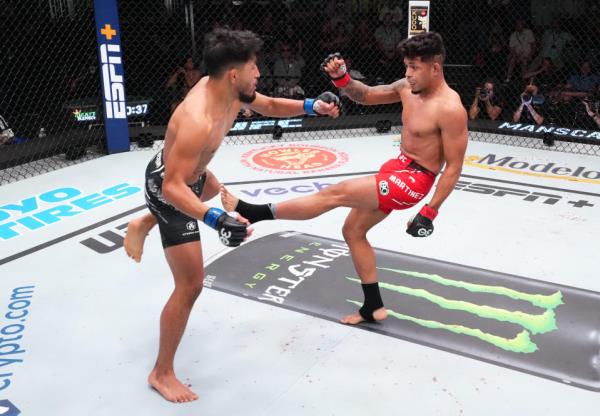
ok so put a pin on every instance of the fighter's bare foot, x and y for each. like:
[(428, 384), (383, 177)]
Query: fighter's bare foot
[(171, 389), (228, 201), (355, 318), (137, 230)]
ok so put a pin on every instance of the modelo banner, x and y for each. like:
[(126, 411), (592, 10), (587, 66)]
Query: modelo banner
[(532, 326)]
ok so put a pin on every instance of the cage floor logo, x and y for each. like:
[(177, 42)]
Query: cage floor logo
[(294, 158)]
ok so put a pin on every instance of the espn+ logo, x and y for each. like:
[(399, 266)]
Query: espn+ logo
[(112, 78)]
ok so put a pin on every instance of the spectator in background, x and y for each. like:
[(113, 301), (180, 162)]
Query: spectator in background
[(181, 81), (287, 72), (338, 40), (265, 82), (522, 47), (6, 133), (363, 43), (554, 42), (545, 77), (529, 111), (493, 59), (85, 82), (387, 37), (486, 103), (392, 7), (580, 85), (291, 36), (592, 108)]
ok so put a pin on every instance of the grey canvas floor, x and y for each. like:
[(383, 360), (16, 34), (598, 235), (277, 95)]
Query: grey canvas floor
[(80, 328)]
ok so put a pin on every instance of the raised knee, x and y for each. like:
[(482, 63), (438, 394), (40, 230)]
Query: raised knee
[(352, 232)]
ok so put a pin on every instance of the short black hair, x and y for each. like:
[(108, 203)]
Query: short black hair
[(224, 48), (427, 46)]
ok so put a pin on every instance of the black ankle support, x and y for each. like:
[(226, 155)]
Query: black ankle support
[(254, 213), (372, 301)]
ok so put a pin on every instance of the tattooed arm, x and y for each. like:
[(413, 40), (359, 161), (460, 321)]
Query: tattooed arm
[(380, 94)]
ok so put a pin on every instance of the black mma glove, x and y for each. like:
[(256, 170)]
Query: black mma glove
[(339, 76), (312, 106), (231, 231), (422, 224)]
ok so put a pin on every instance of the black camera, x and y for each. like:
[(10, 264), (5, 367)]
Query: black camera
[(527, 97), (483, 93)]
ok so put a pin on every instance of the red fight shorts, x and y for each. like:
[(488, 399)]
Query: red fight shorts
[(402, 183)]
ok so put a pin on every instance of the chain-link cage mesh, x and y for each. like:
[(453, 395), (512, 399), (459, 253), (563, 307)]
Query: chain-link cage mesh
[(526, 71), (49, 80)]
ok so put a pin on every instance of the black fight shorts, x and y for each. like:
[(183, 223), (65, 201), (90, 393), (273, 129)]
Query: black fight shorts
[(175, 226)]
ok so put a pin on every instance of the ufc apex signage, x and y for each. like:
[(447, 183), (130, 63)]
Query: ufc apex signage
[(112, 75)]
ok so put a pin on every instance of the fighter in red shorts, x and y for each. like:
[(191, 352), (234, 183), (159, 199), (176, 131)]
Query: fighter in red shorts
[(434, 135)]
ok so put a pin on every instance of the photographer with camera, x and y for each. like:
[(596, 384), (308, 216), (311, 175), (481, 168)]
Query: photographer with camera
[(592, 107), (6, 133), (531, 101), (486, 104)]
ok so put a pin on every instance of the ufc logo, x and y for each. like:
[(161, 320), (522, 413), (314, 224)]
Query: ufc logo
[(114, 89), (224, 236)]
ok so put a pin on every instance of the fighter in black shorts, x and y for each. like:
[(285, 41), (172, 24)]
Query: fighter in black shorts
[(178, 182)]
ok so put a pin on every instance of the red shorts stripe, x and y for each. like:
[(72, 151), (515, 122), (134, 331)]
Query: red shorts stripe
[(401, 184)]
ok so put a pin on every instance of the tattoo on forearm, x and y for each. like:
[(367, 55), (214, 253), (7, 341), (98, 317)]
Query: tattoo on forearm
[(356, 91)]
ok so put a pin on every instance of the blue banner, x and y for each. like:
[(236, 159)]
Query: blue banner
[(112, 74)]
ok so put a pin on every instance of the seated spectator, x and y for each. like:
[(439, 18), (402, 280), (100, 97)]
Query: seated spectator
[(265, 82), (363, 43), (486, 103), (592, 111), (592, 107), (394, 9), (522, 48), (292, 37), (553, 44), (529, 111), (546, 77), (492, 58), (287, 72), (181, 81), (580, 85), (337, 40), (6, 133), (387, 37)]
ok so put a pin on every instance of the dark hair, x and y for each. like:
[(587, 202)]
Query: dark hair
[(224, 48), (426, 46)]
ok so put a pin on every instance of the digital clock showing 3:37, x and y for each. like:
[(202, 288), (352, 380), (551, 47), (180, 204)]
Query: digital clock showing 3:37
[(137, 110)]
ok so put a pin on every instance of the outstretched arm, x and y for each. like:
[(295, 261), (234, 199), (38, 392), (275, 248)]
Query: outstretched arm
[(335, 67), (285, 107), (380, 94)]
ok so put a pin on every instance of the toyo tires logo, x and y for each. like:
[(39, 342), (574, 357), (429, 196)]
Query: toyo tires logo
[(294, 158)]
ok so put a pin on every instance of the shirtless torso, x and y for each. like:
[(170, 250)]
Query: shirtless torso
[(422, 125), (198, 111)]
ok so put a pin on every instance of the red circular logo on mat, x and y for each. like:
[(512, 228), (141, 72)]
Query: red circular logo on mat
[(294, 158)]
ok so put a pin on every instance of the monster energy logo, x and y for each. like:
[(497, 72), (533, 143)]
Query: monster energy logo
[(532, 324)]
